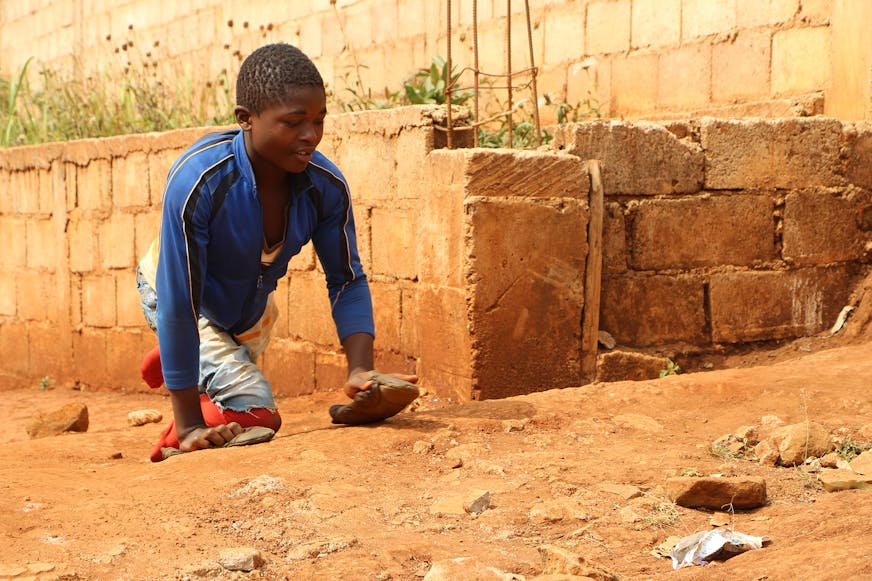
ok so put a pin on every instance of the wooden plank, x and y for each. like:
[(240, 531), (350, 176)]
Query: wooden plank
[(593, 275)]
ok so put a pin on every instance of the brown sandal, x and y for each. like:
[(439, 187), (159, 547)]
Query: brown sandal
[(386, 397), (248, 436)]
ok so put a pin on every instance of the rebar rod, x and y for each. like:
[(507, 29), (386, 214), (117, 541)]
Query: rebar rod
[(535, 74), (448, 88), (475, 66), (509, 66)]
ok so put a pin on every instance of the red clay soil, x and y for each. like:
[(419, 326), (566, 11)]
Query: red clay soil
[(328, 502)]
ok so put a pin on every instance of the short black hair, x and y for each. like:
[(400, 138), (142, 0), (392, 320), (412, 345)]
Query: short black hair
[(270, 72)]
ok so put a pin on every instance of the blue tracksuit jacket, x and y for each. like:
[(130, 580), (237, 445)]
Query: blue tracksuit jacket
[(211, 241)]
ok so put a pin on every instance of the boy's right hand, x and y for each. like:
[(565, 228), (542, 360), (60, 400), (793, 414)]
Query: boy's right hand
[(204, 437)]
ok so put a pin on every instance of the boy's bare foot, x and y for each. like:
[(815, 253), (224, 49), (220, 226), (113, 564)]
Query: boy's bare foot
[(386, 397), (248, 436)]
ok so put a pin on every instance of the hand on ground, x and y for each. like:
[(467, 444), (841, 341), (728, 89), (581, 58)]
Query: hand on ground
[(209, 437)]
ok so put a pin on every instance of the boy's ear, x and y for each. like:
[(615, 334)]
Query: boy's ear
[(243, 118)]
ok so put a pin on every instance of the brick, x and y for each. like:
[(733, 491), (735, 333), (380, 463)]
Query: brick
[(706, 17), (6, 200), (130, 187), (394, 233), (39, 297), (608, 27), (82, 248), (786, 304), (331, 372), (614, 245), (13, 241), (445, 365), (528, 295), (525, 174), (754, 13), (388, 314), (14, 349), (116, 237), (123, 357), (289, 366), (94, 185), (25, 191), (308, 310), (634, 84), (389, 361), (702, 231), (412, 144), (89, 356), (42, 244), (159, 164), (800, 60), (146, 227), (564, 35), (656, 23), (740, 69), (305, 260), (384, 16), (371, 176), (638, 158), (784, 153), (50, 350), (310, 37), (281, 297), (8, 295), (640, 311), (822, 227), (859, 154), (98, 301), (816, 11), (127, 300), (440, 243), (45, 191), (684, 77)]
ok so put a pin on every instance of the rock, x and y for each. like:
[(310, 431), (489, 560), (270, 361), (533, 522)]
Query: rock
[(767, 453), (606, 340), (625, 491), (797, 442), (513, 425), (830, 460), (319, 548), (8, 571), (72, 417), (721, 519), (638, 422), (862, 464), (769, 424), (471, 502), (836, 480), (467, 569), (627, 365), (717, 493), (240, 559), (557, 510), (865, 432), (557, 560), (142, 417), (422, 447)]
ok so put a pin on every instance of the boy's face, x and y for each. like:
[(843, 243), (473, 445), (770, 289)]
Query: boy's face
[(284, 135)]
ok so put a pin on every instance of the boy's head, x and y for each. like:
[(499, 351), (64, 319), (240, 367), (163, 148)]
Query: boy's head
[(280, 106), (270, 72)]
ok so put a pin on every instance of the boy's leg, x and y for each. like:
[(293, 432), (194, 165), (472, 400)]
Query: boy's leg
[(233, 388)]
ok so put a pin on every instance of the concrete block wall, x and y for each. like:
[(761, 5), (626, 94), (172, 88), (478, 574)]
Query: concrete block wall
[(629, 58), (721, 232), (716, 233)]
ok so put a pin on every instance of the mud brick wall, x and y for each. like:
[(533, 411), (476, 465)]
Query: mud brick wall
[(633, 58), (716, 232), (729, 231)]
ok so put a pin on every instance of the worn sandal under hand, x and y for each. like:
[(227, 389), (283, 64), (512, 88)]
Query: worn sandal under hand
[(248, 436), (386, 397)]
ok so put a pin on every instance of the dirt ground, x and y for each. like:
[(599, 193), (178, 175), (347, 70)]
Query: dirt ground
[(380, 502)]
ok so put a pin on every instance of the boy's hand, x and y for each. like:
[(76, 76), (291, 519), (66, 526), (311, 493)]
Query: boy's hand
[(209, 437), (360, 381)]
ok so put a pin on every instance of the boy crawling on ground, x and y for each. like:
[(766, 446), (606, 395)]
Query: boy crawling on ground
[(237, 206)]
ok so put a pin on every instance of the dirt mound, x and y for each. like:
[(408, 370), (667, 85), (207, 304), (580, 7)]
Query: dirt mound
[(575, 475)]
